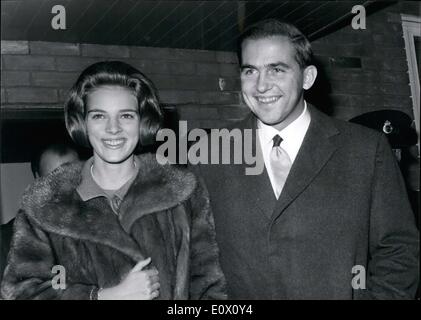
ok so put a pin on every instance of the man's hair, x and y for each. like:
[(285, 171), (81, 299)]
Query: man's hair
[(113, 73), (60, 149), (272, 28)]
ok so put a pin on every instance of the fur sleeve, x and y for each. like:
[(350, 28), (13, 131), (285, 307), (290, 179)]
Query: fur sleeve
[(207, 279), (28, 274)]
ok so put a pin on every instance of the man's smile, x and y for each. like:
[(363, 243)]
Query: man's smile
[(267, 100)]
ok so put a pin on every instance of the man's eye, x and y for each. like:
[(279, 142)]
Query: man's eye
[(248, 72), (277, 70)]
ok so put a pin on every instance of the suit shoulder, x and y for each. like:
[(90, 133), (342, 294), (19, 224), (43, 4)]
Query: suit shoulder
[(357, 133)]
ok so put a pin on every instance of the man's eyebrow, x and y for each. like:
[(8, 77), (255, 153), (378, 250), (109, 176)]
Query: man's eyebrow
[(247, 66), (278, 64), (270, 65)]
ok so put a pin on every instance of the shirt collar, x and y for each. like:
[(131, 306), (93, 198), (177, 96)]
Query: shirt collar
[(292, 135), (89, 189), (298, 126)]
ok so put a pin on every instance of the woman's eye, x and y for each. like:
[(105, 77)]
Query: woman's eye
[(97, 116), (127, 116)]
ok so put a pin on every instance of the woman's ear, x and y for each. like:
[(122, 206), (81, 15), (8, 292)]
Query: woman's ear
[(309, 74)]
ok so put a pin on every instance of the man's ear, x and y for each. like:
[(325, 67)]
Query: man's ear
[(309, 74)]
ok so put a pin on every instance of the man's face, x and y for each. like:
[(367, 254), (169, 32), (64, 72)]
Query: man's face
[(51, 160), (272, 82)]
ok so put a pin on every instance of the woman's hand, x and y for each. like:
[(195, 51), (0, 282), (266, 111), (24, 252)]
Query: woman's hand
[(137, 285)]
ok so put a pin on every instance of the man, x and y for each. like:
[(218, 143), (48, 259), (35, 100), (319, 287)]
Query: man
[(52, 157), (329, 216), (44, 162)]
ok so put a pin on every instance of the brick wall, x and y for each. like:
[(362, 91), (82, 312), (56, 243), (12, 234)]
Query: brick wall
[(366, 70), (39, 74), (360, 71)]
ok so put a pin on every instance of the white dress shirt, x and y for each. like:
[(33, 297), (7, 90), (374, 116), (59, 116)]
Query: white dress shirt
[(292, 135)]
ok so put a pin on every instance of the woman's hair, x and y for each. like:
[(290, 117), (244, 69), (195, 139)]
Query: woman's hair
[(113, 73)]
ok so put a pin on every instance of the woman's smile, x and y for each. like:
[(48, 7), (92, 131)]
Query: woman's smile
[(114, 143)]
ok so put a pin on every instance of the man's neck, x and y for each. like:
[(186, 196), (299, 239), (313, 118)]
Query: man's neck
[(295, 113)]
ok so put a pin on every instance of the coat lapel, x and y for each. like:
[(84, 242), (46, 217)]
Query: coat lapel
[(257, 189), (260, 193), (316, 150), (156, 188)]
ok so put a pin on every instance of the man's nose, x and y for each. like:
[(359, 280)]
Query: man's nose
[(113, 126), (262, 83)]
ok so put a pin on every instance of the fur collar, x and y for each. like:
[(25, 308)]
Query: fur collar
[(53, 203)]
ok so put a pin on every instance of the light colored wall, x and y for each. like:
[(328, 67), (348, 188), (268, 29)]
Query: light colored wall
[(15, 177)]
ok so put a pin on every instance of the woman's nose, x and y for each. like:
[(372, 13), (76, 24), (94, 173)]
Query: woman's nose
[(113, 126)]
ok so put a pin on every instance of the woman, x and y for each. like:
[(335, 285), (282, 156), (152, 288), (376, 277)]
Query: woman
[(119, 226)]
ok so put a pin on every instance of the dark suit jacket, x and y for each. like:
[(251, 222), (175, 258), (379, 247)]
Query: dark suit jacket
[(344, 205), (6, 232)]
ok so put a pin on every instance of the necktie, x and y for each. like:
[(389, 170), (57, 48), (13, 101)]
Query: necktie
[(280, 163)]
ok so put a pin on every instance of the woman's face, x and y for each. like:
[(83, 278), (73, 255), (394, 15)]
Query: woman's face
[(112, 123)]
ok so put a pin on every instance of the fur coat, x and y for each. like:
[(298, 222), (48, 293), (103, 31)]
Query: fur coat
[(165, 215)]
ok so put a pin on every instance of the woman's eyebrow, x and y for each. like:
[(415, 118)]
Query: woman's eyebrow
[(128, 110), (120, 111)]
